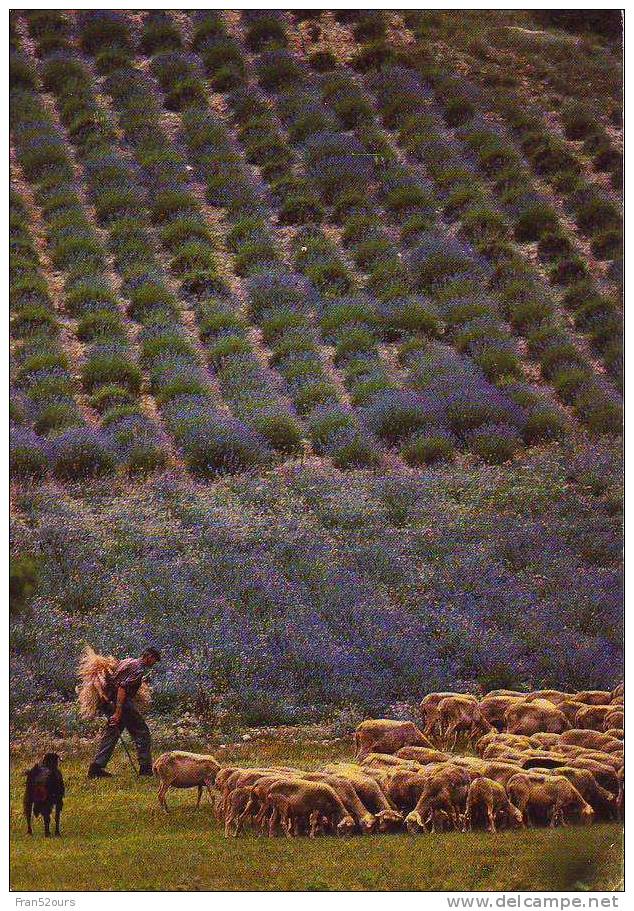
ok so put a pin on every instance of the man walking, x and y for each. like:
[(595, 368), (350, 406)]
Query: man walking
[(123, 714)]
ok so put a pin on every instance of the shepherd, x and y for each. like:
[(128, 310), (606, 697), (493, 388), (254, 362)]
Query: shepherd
[(118, 690)]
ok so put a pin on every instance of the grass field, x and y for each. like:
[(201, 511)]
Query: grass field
[(115, 837)]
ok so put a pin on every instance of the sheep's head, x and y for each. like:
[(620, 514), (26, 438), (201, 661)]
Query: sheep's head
[(414, 823), (389, 820), (368, 823), (346, 826), (516, 818), (587, 814)]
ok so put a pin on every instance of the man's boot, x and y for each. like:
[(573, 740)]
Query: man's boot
[(95, 771)]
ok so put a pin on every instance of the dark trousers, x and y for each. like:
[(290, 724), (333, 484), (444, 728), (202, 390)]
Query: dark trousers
[(133, 722)]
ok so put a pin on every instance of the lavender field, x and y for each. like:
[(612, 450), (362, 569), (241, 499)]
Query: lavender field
[(316, 358)]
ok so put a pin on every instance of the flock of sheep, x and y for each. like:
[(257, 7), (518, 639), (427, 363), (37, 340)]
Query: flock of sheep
[(542, 758)]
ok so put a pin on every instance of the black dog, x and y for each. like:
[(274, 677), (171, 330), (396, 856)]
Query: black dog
[(44, 790)]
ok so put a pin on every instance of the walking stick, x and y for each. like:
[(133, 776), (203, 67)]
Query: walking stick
[(127, 752)]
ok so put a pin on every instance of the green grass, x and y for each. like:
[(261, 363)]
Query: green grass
[(115, 837)]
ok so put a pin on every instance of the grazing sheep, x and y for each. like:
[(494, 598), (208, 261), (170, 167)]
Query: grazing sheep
[(423, 755), (371, 795), (554, 696), (488, 806), (615, 719), (602, 801), (179, 769), (549, 799), (593, 697), (535, 717), (44, 791), (429, 711), (446, 789), (381, 735), (593, 717), (461, 715), (592, 740), (365, 820), (493, 708), (298, 804)]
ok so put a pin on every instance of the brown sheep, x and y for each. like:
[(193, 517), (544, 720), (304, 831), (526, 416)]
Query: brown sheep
[(535, 717), (620, 797), (364, 819), (593, 717), (593, 697), (371, 794), (617, 733), (619, 690), (296, 801), (617, 700), (178, 769), (488, 806), (403, 789), (603, 802), (381, 735), (422, 755), (605, 775), (554, 696), (544, 741), (592, 740), (501, 772), (547, 799), (494, 708), (446, 790), (502, 740), (570, 707), (385, 761), (429, 711), (461, 714), (614, 720)]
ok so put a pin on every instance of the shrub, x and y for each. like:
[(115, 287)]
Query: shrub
[(100, 323), (102, 28), (57, 416), (608, 244), (495, 443), (407, 316), (568, 270), (351, 449), (600, 413), (28, 454), (560, 356), (374, 56), (214, 446), (578, 121), (458, 111), (145, 457), (263, 31), (569, 381), (598, 214), (280, 430), (300, 209), (352, 341), (554, 245), (323, 61), (24, 575), (111, 368), (81, 453), (311, 394), (396, 415), (544, 424), (497, 362), (534, 222), (34, 319), (278, 69), (429, 448), (159, 34)]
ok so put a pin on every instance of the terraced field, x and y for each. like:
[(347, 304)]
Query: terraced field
[(316, 338)]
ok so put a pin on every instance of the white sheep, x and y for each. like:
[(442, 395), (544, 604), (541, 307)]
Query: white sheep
[(179, 769)]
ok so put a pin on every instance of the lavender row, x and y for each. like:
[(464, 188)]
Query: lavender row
[(211, 440), (76, 251)]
